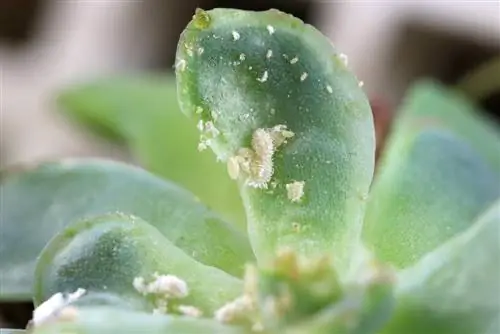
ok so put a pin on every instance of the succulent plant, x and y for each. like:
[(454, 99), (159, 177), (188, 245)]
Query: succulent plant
[(281, 223)]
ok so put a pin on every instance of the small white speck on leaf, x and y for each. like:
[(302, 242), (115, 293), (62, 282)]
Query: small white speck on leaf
[(233, 167), (270, 29), (329, 89), (189, 50), (202, 146), (139, 285), (303, 76), (211, 130), (236, 35), (295, 190), (200, 125), (269, 53), (181, 65), (242, 56), (280, 134), (190, 311), (344, 58), (294, 60), (198, 110), (361, 84), (232, 311), (264, 77)]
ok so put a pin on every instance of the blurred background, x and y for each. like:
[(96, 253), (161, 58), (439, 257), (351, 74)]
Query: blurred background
[(46, 45)]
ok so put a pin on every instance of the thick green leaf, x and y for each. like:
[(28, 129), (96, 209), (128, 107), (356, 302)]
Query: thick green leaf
[(39, 202), (106, 253), (143, 112), (455, 288), (430, 186), (254, 79), (494, 327), (103, 320), (11, 331), (429, 101), (482, 82)]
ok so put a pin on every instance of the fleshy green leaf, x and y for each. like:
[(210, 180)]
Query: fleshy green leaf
[(104, 320), (455, 288), (105, 254), (11, 331), (143, 112), (276, 102), (430, 102), (482, 82), (39, 202), (494, 327), (307, 297), (430, 186)]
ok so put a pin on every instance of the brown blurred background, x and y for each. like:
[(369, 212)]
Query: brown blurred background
[(46, 44)]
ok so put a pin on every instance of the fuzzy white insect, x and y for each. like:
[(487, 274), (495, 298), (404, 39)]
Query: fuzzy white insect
[(329, 89), (238, 308), (269, 53), (270, 29), (233, 167), (52, 307), (190, 311), (256, 163), (242, 56), (294, 60), (361, 84), (169, 285), (303, 76), (262, 143), (236, 35)]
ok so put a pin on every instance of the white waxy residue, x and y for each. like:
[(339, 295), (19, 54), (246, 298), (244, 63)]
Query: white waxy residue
[(264, 77)]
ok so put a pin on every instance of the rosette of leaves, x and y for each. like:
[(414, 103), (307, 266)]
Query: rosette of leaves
[(331, 246)]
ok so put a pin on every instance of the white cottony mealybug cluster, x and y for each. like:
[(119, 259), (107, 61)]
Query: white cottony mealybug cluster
[(166, 289), (56, 307), (256, 163)]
